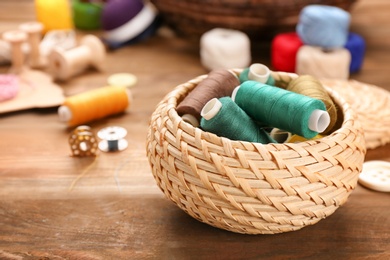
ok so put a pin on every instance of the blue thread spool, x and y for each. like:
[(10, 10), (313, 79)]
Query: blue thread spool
[(324, 26), (257, 72), (282, 109), (357, 47), (224, 118)]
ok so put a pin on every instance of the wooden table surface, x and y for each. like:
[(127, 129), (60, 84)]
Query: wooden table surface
[(116, 211)]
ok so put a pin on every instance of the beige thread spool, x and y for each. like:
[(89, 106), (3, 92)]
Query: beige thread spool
[(83, 142), (16, 38), (66, 64), (34, 33)]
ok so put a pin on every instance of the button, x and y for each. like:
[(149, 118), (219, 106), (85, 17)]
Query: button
[(376, 175), (127, 80)]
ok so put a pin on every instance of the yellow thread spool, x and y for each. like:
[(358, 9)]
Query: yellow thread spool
[(54, 15), (94, 104), (309, 86)]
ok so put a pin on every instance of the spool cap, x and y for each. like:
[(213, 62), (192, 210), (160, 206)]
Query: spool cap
[(319, 121), (211, 109)]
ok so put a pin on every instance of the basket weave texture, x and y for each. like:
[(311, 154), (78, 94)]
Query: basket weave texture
[(257, 18), (248, 187)]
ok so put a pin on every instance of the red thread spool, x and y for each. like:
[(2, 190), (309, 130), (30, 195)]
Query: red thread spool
[(284, 51)]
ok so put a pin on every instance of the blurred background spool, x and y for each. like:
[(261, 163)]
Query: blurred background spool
[(16, 38), (65, 64), (34, 35), (225, 49), (284, 49), (54, 15), (332, 64), (324, 26), (94, 104), (128, 21), (357, 47), (87, 14)]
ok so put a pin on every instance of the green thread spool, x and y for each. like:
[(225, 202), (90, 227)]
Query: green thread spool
[(309, 86), (257, 72), (225, 118), (282, 109), (87, 15)]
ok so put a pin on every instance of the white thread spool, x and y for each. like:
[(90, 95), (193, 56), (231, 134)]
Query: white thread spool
[(332, 64), (34, 33), (259, 72), (66, 64), (64, 39), (224, 49), (16, 39)]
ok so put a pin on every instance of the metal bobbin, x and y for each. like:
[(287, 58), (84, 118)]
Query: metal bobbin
[(112, 139), (83, 142)]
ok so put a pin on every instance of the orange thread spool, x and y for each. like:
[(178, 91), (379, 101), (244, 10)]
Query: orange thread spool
[(94, 104)]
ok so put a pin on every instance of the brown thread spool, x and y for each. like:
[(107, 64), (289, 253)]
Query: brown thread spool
[(309, 86), (66, 64), (219, 83), (34, 33), (16, 38)]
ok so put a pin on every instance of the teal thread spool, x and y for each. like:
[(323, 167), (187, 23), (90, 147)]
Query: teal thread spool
[(224, 118), (283, 109), (257, 72)]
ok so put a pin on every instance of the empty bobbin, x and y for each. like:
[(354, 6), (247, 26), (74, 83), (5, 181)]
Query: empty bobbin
[(83, 142), (16, 38), (65, 64), (112, 139), (34, 33)]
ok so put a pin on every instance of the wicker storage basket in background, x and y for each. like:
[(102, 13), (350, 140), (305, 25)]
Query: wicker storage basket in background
[(258, 18), (249, 187)]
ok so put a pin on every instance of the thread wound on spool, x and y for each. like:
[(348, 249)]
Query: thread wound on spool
[(309, 86), (244, 76), (284, 49), (357, 47), (324, 26), (95, 104), (219, 83), (278, 108), (224, 49), (227, 119)]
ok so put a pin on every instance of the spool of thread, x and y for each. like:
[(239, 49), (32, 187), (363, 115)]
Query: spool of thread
[(282, 109), (357, 47), (257, 72), (9, 87), (219, 83), (298, 139), (284, 49), (282, 136), (128, 21), (224, 118), (225, 49), (309, 86), (87, 14), (94, 104), (54, 15), (34, 33), (16, 39), (66, 64), (333, 64), (324, 26)]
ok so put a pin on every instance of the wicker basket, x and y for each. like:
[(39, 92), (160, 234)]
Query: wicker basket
[(258, 18), (249, 187)]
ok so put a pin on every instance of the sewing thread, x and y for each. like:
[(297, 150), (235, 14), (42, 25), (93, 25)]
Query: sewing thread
[(225, 118), (309, 86), (244, 76), (282, 109), (284, 49), (357, 47), (94, 104), (219, 83)]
